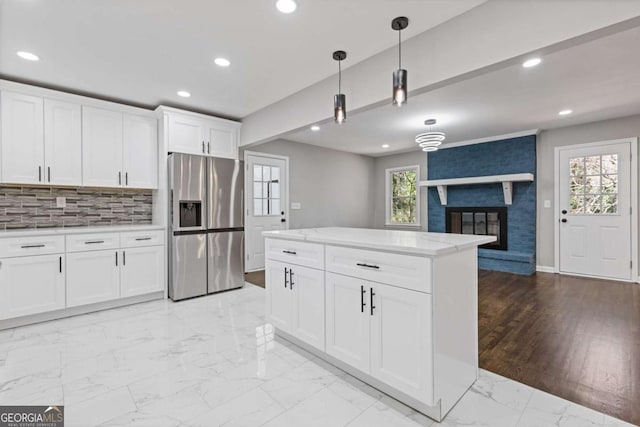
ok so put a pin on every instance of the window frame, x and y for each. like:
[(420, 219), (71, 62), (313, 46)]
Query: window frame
[(388, 200)]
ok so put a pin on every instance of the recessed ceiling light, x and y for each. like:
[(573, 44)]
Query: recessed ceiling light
[(286, 6), (28, 56), (565, 112), (531, 62), (184, 93), (222, 62), (385, 145), (315, 128)]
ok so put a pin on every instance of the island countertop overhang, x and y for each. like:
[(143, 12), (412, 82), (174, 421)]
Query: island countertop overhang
[(400, 241)]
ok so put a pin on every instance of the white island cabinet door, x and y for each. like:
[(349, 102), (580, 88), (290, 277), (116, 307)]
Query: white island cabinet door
[(348, 320), (62, 143), (101, 148), (92, 276), (186, 135), (279, 296), (140, 147), (401, 340), (142, 270), (307, 286), (22, 138), (31, 284)]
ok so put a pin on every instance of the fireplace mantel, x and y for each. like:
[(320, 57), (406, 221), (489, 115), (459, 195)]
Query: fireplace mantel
[(506, 181)]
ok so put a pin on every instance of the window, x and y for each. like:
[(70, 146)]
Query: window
[(594, 184), (266, 190), (403, 196)]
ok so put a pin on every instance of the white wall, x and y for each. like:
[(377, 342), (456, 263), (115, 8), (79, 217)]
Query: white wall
[(591, 132), (335, 188), (379, 203)]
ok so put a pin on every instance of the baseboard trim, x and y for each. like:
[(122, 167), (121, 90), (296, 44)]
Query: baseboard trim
[(545, 269)]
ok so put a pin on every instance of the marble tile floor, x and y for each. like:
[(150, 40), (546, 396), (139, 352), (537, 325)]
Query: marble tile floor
[(212, 361)]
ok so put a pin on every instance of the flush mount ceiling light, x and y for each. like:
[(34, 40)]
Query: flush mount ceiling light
[(565, 112), (286, 6), (315, 128), (184, 93), (222, 62), (385, 145), (28, 56), (430, 141), (339, 100), (531, 62), (400, 75)]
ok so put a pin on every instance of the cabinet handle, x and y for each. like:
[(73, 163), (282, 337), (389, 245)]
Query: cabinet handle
[(362, 264), (362, 303), (143, 238), (291, 279), (49, 173), (286, 282), (289, 252), (92, 242), (31, 246), (371, 301), (60, 264), (203, 147), (39, 173), (119, 178), (124, 258), (126, 178), (116, 258), (208, 148)]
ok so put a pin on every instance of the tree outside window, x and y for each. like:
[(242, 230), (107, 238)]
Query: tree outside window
[(403, 202)]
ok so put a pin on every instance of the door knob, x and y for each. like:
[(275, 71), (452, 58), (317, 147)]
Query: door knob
[(564, 211), (564, 220)]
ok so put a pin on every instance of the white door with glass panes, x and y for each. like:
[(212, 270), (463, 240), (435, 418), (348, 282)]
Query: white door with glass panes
[(267, 189), (595, 210)]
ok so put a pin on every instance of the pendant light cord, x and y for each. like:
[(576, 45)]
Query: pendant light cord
[(339, 77), (399, 50)]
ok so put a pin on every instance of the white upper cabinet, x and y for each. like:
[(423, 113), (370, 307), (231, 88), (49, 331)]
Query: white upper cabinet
[(208, 136), (140, 151), (22, 138), (101, 148), (62, 143)]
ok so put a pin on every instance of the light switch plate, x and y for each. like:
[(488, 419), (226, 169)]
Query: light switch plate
[(547, 203), (61, 202), (296, 205)]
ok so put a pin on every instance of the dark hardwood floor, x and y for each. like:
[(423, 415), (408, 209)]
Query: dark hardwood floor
[(255, 278), (574, 337)]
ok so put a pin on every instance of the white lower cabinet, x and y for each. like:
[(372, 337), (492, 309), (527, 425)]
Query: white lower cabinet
[(31, 284), (92, 277), (295, 303), (142, 270)]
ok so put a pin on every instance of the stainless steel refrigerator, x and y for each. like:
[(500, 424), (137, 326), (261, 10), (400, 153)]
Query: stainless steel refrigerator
[(206, 225)]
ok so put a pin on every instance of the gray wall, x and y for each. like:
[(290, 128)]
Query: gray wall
[(591, 132), (334, 187), (394, 161)]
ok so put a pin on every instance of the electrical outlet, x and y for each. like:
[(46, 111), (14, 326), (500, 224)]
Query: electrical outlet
[(61, 202)]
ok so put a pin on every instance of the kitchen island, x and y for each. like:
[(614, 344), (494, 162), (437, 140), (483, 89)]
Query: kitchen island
[(396, 309)]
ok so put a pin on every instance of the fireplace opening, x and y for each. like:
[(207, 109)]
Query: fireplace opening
[(482, 221)]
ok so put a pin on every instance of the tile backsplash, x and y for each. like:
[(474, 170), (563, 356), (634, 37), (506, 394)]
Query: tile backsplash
[(35, 207)]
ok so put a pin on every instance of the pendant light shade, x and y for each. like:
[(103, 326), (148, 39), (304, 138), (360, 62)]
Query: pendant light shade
[(340, 100), (399, 96), (430, 141)]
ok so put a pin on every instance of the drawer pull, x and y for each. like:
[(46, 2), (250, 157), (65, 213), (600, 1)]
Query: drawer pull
[(289, 252), (143, 238), (31, 246), (362, 264), (93, 242)]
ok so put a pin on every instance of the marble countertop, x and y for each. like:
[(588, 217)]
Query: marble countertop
[(411, 242), (77, 230)]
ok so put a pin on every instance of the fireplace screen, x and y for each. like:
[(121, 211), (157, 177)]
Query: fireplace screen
[(483, 221)]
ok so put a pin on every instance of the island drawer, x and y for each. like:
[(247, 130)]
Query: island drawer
[(294, 252), (92, 242), (26, 246), (131, 239), (404, 271)]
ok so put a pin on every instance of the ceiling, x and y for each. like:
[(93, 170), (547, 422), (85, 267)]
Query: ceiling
[(144, 51), (598, 80)]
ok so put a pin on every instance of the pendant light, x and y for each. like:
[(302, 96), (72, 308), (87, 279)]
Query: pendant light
[(430, 141), (400, 75), (339, 101)]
